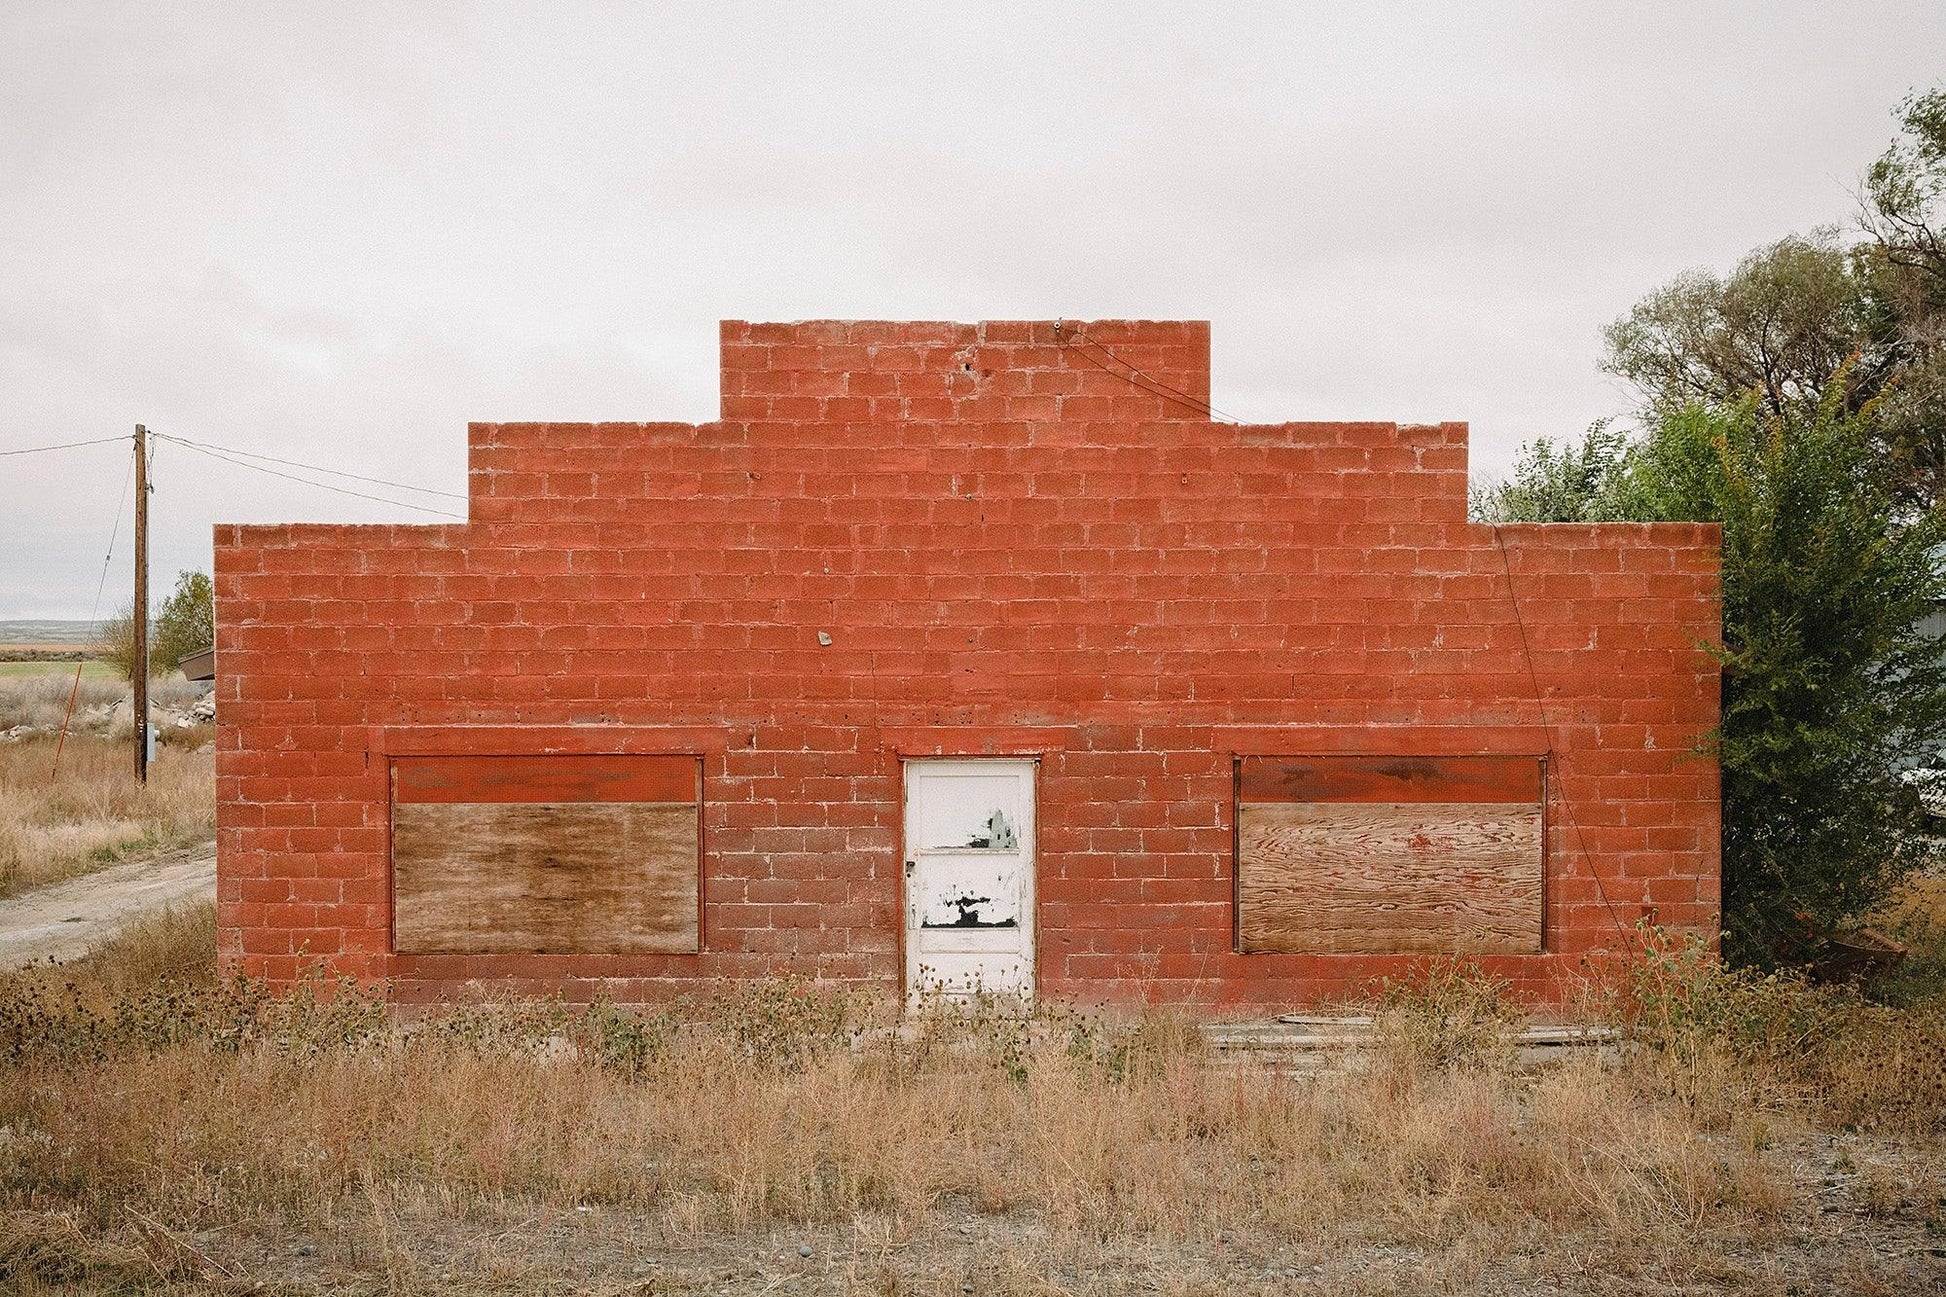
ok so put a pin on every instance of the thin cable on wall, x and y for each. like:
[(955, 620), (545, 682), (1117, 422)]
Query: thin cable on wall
[(1140, 379), (1540, 703), (1135, 377)]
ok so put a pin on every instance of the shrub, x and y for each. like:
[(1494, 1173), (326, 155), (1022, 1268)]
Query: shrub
[(1830, 688), (1721, 1040), (1575, 481), (184, 622)]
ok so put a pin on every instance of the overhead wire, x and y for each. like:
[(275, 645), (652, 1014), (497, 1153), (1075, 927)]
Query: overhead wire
[(66, 445), (312, 468), (114, 534), (94, 611), (227, 458)]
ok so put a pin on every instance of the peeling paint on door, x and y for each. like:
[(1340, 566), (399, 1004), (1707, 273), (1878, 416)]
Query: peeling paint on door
[(969, 876), (968, 893)]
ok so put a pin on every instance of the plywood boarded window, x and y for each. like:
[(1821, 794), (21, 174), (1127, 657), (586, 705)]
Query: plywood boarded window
[(1390, 855), (545, 854)]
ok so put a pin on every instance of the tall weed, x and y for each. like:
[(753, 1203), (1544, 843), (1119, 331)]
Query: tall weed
[(92, 812)]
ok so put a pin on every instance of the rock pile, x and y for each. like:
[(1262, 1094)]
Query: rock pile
[(116, 717)]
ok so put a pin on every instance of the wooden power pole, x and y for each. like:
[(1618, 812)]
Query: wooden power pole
[(141, 665)]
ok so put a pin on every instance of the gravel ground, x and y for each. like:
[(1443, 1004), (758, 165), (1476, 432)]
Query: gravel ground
[(65, 920)]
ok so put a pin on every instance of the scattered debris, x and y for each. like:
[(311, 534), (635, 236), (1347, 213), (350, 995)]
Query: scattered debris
[(1305, 1042), (1857, 955), (108, 719)]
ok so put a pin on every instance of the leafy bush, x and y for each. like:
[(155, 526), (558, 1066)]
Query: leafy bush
[(1446, 1016), (184, 623), (1830, 688), (45, 1023), (783, 1024), (1576, 481), (1721, 1040), (621, 1040)]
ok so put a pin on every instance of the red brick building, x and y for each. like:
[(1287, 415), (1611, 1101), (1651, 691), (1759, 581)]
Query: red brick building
[(958, 651)]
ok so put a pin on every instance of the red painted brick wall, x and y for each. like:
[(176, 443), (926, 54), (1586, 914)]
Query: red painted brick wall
[(1015, 545)]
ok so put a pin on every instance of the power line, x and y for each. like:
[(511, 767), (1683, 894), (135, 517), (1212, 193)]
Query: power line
[(94, 612), (114, 534), (312, 468), (66, 445), (322, 486)]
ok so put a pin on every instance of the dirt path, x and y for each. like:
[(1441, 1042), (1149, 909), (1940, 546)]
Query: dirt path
[(64, 920)]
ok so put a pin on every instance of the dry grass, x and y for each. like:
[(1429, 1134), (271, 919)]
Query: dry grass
[(1723, 1043), (163, 1131), (41, 698), (172, 947), (93, 813), (1917, 917)]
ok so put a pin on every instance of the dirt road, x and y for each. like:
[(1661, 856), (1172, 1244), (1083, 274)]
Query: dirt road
[(63, 921)]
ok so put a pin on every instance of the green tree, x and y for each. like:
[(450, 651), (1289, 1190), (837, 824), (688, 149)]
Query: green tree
[(1800, 400), (1807, 313), (184, 622), (1576, 481), (1779, 327), (117, 646), (1904, 191), (1904, 218), (1830, 689)]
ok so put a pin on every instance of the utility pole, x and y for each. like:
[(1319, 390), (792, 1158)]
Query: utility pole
[(141, 669)]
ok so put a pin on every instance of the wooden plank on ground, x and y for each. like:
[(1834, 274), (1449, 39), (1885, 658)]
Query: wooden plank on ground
[(1399, 878), (544, 877)]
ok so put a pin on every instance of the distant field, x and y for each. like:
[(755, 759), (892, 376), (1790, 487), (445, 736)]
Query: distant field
[(89, 670), (48, 633)]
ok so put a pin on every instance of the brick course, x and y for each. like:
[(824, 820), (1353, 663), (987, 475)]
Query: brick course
[(1015, 544)]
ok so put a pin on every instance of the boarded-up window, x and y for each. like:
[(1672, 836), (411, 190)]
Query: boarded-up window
[(1389, 855), (545, 854)]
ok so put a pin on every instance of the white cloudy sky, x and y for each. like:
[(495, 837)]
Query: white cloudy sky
[(335, 232)]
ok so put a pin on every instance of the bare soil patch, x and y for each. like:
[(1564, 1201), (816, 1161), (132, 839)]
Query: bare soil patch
[(65, 920)]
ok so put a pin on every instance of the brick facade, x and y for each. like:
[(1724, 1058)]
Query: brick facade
[(1014, 543)]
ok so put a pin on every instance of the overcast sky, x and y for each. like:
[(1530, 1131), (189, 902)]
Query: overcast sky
[(335, 233)]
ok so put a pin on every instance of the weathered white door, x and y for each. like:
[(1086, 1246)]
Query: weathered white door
[(969, 876)]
